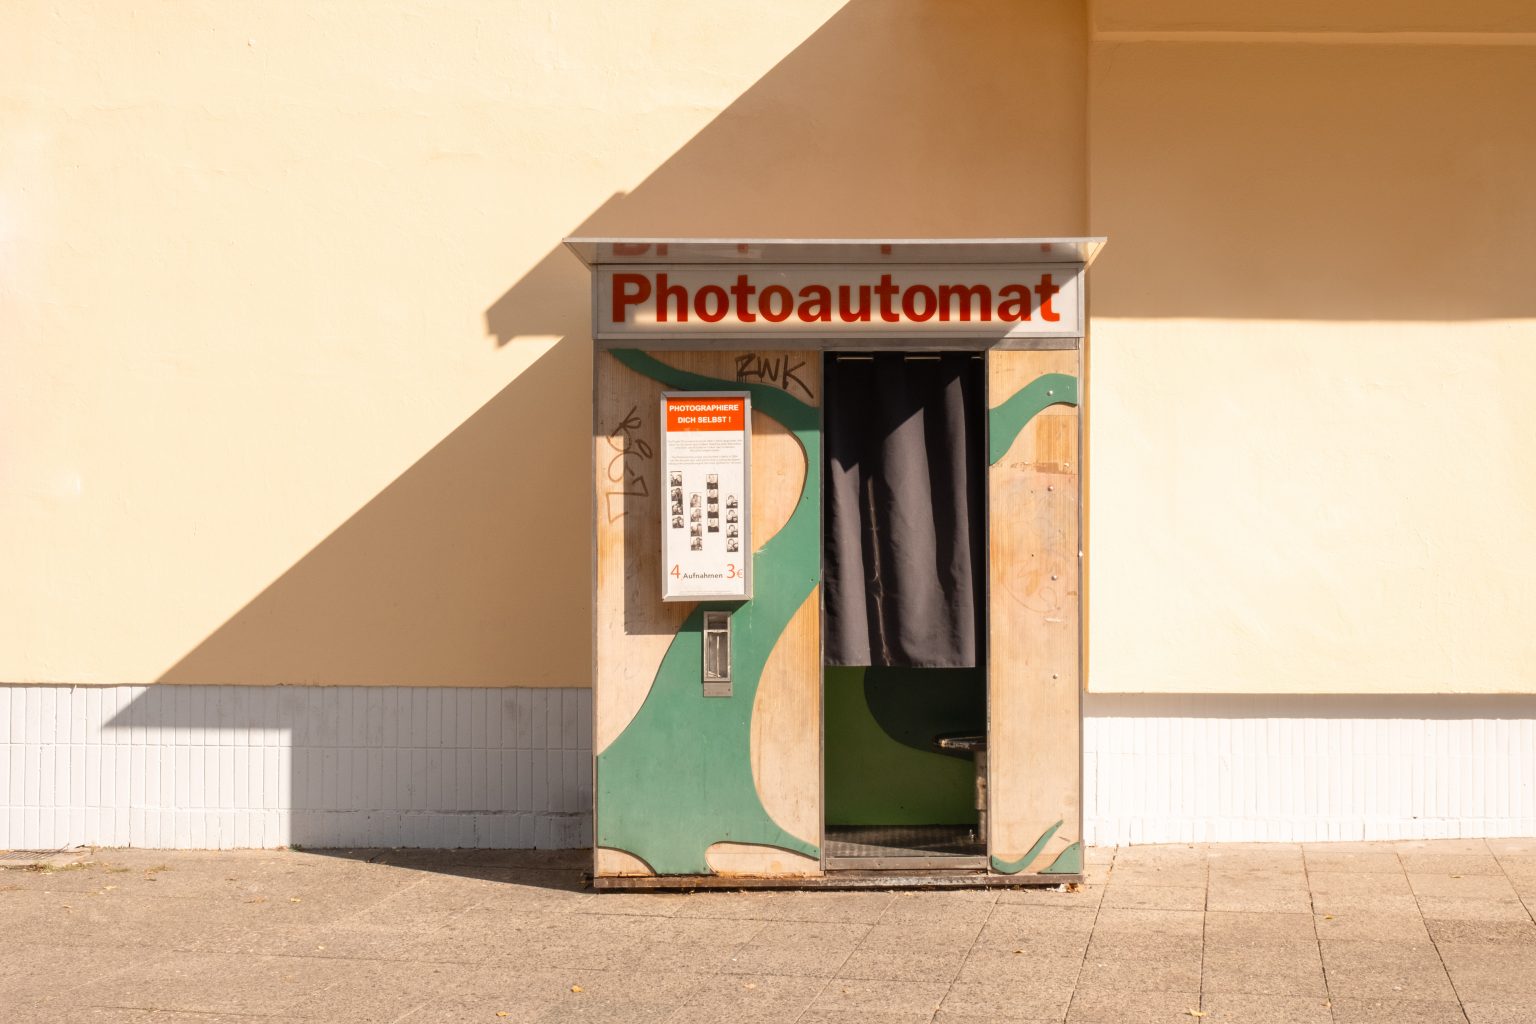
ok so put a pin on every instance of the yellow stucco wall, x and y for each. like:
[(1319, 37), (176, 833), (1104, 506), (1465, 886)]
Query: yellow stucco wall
[(294, 372), (1313, 362), (295, 380)]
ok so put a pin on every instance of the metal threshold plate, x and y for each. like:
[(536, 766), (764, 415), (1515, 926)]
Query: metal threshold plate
[(903, 847), (949, 862)]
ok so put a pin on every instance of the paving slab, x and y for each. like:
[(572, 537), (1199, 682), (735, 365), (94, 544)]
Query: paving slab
[(368, 992), (1086, 895), (834, 907), (1467, 908), (1259, 971), (1159, 875), (1228, 1008), (1164, 974), (1245, 876), (1397, 1011), (1100, 1006), (1370, 884), (1354, 860), (1233, 932), (940, 907), (1366, 926), (911, 964), (1389, 978), (1517, 1012), (1130, 946), (1002, 1001), (1485, 886), (1520, 934), (1494, 981), (1451, 863), (1019, 970), (1339, 905), (844, 996), (1254, 899), (1150, 922), (750, 999), (211, 983), (797, 948), (1154, 897)]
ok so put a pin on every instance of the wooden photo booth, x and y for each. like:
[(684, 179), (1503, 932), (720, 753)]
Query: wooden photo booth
[(867, 451)]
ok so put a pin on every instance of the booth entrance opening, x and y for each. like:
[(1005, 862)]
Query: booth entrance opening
[(904, 617)]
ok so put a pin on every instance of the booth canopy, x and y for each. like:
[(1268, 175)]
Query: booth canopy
[(598, 251)]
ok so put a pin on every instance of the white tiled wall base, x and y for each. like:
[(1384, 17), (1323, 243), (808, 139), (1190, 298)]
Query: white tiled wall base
[(1178, 769), (240, 766), (262, 766)]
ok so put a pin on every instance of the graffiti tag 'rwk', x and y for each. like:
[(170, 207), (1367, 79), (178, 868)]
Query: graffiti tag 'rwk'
[(626, 468), (778, 370)]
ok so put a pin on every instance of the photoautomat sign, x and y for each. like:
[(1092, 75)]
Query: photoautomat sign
[(997, 302), (706, 544)]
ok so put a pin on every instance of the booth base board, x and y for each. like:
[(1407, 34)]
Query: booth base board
[(879, 879)]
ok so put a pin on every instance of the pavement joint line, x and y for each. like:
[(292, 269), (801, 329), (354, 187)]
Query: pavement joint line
[(1526, 903), (949, 988), (1460, 1004), (1092, 931), (761, 925), (1205, 918), (833, 976), (1317, 938)]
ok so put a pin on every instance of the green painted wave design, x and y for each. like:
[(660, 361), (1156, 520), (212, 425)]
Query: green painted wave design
[(1013, 867), (1005, 422), (678, 779)]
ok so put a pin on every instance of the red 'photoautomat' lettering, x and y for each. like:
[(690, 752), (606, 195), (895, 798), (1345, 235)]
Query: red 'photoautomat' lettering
[(629, 290), (886, 301)]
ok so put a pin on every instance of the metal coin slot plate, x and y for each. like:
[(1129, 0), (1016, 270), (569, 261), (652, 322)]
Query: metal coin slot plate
[(717, 654)]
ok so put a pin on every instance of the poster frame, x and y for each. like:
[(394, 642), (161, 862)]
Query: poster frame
[(664, 498)]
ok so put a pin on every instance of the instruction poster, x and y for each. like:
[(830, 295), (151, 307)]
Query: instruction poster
[(706, 550)]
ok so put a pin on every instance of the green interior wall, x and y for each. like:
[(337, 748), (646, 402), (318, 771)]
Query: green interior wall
[(873, 778)]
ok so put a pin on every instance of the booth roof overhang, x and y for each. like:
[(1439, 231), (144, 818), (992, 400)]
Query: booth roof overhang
[(596, 252)]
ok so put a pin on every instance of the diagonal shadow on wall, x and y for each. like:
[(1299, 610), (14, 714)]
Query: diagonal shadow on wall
[(908, 118)]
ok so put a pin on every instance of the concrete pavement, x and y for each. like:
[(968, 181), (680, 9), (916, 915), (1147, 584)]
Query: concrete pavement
[(1396, 933)]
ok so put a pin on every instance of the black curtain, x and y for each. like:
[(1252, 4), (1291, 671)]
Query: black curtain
[(904, 529)]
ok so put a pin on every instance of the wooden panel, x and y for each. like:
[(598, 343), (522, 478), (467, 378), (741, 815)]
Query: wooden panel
[(786, 726), (760, 861), (612, 863), (1034, 698), (634, 627)]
